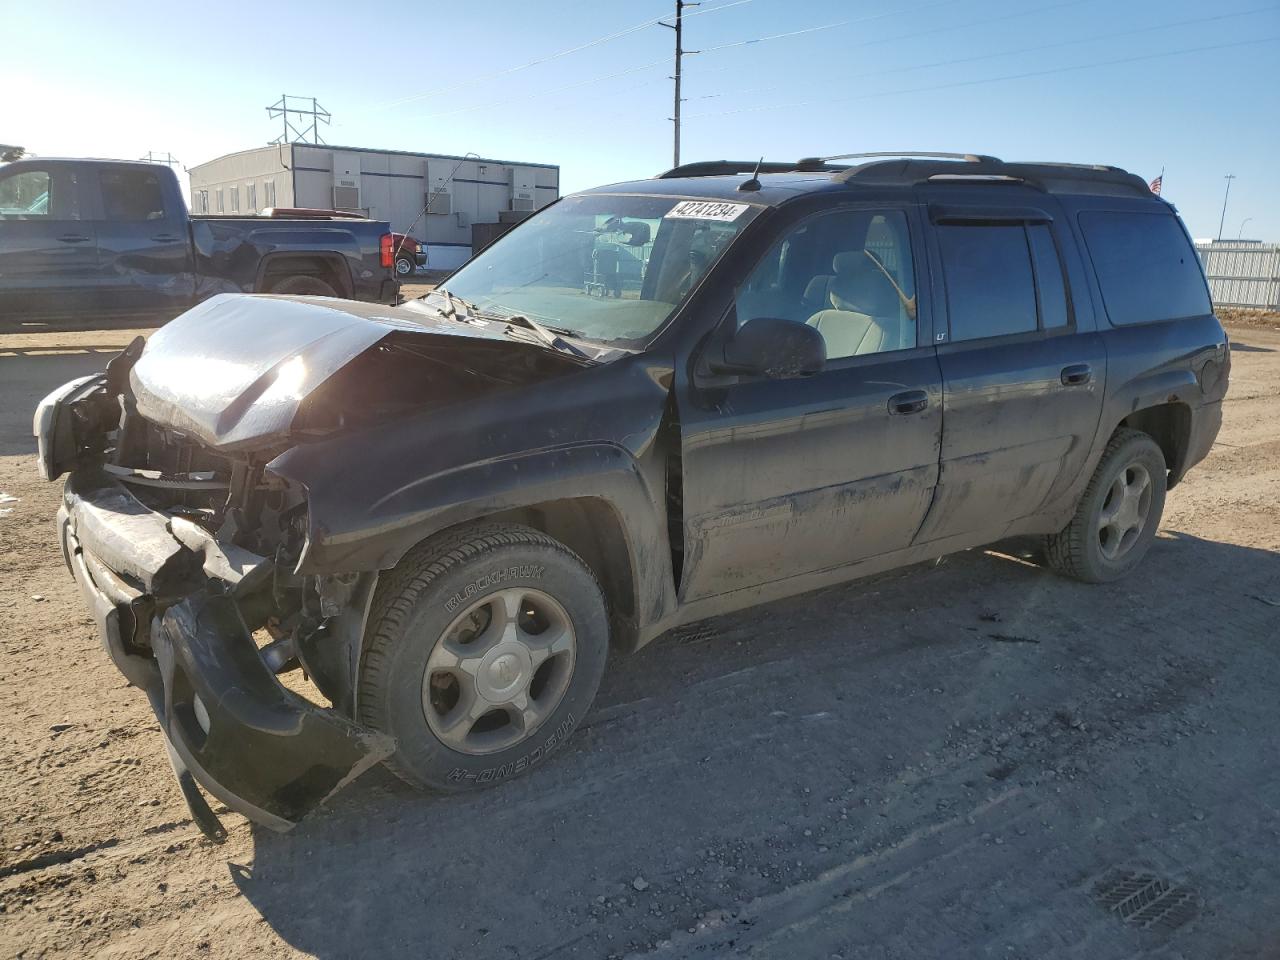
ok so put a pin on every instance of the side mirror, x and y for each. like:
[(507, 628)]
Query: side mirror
[(774, 348)]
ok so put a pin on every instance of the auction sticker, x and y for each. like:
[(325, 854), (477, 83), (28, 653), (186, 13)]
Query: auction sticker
[(706, 210)]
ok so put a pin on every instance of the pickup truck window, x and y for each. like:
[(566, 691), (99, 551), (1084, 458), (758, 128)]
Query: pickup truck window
[(1146, 267), (131, 195), (849, 273), (602, 267), (25, 196), (991, 289)]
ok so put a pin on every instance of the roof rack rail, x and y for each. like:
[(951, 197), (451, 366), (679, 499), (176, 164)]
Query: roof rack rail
[(1049, 177), (728, 168), (901, 168), (934, 154)]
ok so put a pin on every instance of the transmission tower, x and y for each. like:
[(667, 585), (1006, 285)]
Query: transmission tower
[(307, 127)]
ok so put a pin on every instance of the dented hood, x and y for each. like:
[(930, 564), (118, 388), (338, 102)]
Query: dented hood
[(234, 370)]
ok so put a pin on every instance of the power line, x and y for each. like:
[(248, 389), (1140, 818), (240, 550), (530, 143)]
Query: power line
[(470, 81), (591, 81), (972, 83), (830, 26), (545, 93), (950, 28), (1009, 53)]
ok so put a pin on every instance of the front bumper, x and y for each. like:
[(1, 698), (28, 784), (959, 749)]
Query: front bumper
[(163, 594)]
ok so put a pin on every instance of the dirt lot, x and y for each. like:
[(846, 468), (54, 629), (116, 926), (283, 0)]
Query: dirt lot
[(960, 761)]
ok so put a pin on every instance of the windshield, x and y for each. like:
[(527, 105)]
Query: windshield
[(600, 267)]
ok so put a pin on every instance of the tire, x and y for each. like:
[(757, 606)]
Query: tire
[(304, 287), (404, 267), (441, 643), (1089, 548)]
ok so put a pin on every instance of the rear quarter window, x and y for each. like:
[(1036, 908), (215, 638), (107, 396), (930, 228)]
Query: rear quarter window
[(1145, 265)]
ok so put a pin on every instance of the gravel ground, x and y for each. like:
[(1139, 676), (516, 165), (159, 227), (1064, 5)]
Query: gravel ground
[(973, 759)]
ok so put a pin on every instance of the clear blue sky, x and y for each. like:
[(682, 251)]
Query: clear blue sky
[(121, 79)]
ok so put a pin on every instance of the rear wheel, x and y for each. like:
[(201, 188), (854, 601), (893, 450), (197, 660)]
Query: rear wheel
[(1119, 514), (404, 266), (484, 650), (304, 287)]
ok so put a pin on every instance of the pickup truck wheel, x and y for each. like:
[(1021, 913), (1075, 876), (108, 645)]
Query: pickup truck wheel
[(404, 266), (483, 651), (1119, 514), (304, 287)]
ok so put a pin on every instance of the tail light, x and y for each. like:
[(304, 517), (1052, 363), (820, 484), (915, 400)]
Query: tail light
[(387, 249)]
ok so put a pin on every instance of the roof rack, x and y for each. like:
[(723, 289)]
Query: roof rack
[(904, 167), (1049, 177), (728, 168)]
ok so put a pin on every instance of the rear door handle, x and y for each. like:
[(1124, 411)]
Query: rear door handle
[(1076, 375), (72, 238), (165, 238), (910, 401)]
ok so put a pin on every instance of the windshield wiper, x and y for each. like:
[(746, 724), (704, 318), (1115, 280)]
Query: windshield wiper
[(451, 301), (547, 335)]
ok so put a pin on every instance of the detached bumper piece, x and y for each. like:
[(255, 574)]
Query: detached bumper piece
[(260, 749), (230, 726)]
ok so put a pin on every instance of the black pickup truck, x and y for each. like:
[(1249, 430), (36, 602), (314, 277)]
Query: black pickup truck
[(648, 404), (108, 238)]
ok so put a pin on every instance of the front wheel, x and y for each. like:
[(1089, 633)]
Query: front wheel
[(484, 650), (1119, 514), (404, 266)]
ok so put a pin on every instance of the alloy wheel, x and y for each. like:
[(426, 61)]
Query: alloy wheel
[(498, 671), (1124, 511)]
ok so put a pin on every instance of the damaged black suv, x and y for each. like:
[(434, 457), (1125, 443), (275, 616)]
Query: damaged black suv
[(649, 404)]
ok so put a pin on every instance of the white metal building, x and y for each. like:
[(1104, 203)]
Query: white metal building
[(384, 184), (1242, 273)]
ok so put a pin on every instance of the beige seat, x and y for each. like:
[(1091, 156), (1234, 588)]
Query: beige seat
[(865, 316)]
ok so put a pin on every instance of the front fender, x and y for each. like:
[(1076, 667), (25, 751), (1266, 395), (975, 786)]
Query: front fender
[(592, 435)]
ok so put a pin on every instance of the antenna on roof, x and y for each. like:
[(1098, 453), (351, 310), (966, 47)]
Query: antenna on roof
[(748, 186)]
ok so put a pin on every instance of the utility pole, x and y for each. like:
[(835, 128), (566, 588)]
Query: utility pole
[(1229, 177), (678, 27)]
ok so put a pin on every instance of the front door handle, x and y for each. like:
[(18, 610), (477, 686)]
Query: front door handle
[(1076, 375), (910, 401), (165, 238), (72, 238)]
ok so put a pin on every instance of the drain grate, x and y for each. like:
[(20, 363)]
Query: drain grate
[(695, 633), (1144, 900)]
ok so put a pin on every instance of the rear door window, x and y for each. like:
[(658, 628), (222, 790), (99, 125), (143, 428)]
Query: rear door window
[(1049, 281), (131, 195), (991, 289), (1146, 267)]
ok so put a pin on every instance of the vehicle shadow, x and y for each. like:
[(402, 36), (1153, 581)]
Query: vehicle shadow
[(734, 762), (89, 321), (1238, 347), (28, 375)]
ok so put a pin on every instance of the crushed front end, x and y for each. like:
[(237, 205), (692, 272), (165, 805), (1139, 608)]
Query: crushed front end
[(183, 554)]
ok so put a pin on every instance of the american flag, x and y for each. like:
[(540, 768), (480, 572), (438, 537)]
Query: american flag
[(1156, 184)]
